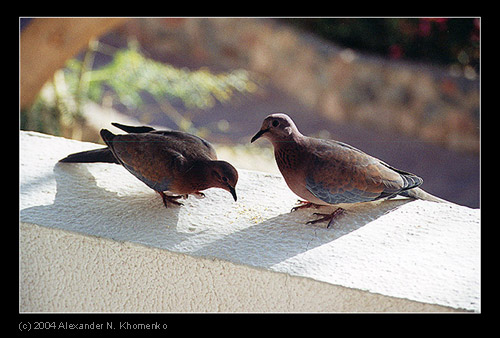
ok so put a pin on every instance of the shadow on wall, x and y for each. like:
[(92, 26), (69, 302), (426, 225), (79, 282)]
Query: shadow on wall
[(290, 228)]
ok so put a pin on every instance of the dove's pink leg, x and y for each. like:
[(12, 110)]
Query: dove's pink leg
[(172, 199), (328, 217), (304, 205)]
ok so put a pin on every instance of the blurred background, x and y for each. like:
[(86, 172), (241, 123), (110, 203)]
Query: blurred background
[(405, 90)]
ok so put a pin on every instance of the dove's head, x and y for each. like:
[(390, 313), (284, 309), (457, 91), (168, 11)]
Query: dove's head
[(277, 127), (225, 176)]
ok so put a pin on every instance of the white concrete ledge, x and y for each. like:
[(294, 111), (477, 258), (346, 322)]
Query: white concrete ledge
[(94, 238)]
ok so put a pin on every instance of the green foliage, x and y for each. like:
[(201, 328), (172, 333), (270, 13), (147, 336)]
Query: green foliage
[(55, 108), (130, 73)]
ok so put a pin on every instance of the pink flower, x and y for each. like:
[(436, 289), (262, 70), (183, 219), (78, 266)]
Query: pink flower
[(475, 32), (395, 52), (424, 27)]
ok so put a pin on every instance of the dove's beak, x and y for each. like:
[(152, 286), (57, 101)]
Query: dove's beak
[(233, 192), (259, 134)]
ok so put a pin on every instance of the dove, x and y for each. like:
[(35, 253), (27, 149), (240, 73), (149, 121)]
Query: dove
[(165, 160), (328, 172)]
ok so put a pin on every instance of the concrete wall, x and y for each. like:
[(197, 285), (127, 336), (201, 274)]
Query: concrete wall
[(78, 273), (94, 238)]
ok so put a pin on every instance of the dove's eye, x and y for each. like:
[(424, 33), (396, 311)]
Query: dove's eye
[(275, 123)]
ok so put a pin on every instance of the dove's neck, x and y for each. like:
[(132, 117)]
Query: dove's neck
[(292, 140), (198, 175)]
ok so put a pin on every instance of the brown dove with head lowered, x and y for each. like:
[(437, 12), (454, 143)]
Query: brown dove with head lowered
[(165, 160), (328, 172)]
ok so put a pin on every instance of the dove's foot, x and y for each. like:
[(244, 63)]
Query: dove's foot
[(328, 217), (169, 199), (304, 205)]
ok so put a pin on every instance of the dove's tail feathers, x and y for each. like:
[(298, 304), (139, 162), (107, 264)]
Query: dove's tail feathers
[(132, 129), (420, 194), (91, 156), (107, 136), (411, 181)]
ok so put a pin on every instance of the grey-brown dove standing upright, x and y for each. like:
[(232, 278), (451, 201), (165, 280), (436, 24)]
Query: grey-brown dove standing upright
[(328, 172)]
